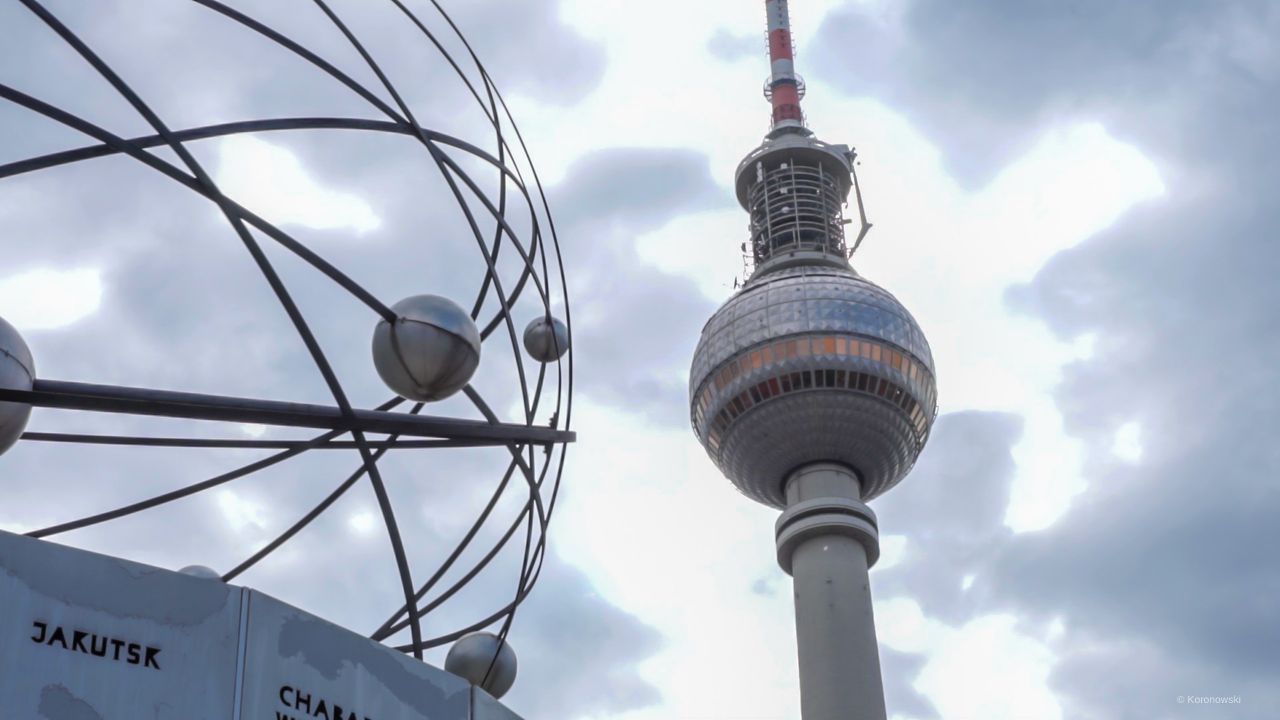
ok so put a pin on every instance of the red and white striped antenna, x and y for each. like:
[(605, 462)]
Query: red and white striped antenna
[(785, 88)]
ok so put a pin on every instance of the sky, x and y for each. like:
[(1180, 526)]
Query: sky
[(1073, 199)]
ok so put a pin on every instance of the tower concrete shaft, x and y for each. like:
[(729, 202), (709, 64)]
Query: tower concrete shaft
[(827, 540)]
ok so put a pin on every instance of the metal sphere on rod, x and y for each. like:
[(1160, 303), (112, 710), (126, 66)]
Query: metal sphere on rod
[(17, 372), (201, 571), (485, 660), (546, 339), (430, 352)]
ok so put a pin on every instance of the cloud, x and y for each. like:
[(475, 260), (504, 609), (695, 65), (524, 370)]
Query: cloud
[(270, 181), (600, 678), (950, 510), (44, 299), (636, 323), (1156, 572), (506, 35), (730, 47)]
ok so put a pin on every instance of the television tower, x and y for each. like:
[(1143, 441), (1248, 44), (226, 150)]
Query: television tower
[(813, 390)]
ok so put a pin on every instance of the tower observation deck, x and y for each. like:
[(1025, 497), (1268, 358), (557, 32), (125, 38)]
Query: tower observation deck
[(813, 390)]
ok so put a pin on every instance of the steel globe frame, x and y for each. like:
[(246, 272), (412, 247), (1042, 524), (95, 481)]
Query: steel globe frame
[(542, 269)]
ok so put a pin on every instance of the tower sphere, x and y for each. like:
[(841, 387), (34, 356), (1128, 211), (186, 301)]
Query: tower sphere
[(17, 372), (472, 655), (546, 339), (430, 352), (810, 364)]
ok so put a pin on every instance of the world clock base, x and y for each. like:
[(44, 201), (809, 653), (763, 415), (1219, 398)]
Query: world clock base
[(85, 636)]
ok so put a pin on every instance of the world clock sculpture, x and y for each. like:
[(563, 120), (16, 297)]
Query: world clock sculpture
[(218, 650), (813, 390)]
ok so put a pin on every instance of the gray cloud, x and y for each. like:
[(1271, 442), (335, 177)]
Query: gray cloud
[(568, 66), (1162, 571), (598, 678), (951, 508), (983, 78), (730, 47), (898, 670), (639, 325)]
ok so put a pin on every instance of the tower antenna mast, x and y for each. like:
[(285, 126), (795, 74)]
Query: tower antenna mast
[(784, 89)]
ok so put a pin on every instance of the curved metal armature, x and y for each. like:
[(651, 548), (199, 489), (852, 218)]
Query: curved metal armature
[(343, 426)]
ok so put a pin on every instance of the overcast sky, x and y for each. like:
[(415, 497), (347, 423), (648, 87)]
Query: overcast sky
[(1075, 199)]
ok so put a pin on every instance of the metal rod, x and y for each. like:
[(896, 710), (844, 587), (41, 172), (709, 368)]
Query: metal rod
[(315, 512), (164, 403), (247, 444)]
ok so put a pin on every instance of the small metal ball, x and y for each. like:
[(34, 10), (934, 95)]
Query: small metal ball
[(200, 571), (430, 352), (17, 372), (472, 655), (546, 339)]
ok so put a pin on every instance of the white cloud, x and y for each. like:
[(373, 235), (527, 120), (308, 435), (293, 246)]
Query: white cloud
[(253, 430), (704, 247), (665, 537), (363, 522), (903, 626), (1055, 630), (982, 669), (271, 181), (45, 299), (1127, 445), (892, 550), (242, 513), (986, 669)]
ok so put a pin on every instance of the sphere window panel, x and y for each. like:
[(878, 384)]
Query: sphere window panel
[(771, 388), (835, 378)]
